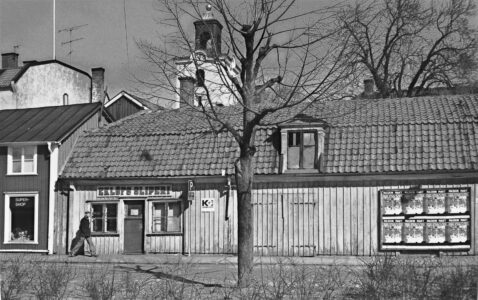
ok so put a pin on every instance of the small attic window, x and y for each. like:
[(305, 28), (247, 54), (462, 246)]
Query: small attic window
[(301, 150), (65, 99), (302, 144)]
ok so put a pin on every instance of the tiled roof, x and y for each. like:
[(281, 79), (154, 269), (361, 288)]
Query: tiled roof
[(43, 124), (7, 75), (362, 136)]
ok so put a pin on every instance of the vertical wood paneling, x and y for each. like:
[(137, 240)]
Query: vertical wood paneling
[(367, 221), (340, 221)]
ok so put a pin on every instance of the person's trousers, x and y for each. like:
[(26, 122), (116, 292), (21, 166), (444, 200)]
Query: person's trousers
[(81, 242)]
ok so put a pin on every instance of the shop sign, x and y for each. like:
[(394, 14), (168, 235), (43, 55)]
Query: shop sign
[(21, 202), (207, 205), (135, 191)]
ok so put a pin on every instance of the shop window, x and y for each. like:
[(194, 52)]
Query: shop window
[(21, 218), (105, 218), (301, 151), (22, 160), (166, 217)]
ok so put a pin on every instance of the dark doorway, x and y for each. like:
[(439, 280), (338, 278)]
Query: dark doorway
[(133, 226)]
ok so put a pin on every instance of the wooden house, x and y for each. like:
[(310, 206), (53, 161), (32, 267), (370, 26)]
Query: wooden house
[(339, 178), (34, 146), (125, 104)]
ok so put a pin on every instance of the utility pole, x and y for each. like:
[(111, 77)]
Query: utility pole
[(71, 40)]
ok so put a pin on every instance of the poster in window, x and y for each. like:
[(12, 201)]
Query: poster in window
[(413, 232), (413, 203), (435, 232), (457, 231), (392, 232), (457, 203), (435, 202)]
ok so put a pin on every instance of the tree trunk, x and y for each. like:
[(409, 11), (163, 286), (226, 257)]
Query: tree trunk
[(245, 237)]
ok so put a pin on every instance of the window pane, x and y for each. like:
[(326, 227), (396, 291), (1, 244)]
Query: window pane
[(28, 166), (293, 157), (159, 218), (17, 153), (16, 166), (294, 139), (111, 225), (309, 157), (111, 210), (23, 218), (174, 220), (309, 139), (97, 217), (29, 153), (98, 225)]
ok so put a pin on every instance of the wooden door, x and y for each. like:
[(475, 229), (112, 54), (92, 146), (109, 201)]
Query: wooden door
[(134, 227)]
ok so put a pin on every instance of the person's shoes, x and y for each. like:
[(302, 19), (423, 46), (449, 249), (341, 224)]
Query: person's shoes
[(71, 255), (94, 255)]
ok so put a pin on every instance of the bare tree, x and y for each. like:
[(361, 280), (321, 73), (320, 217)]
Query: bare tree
[(279, 56), (410, 45)]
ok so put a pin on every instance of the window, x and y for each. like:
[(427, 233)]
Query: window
[(200, 77), (166, 217), (22, 160), (21, 218), (301, 151), (104, 218)]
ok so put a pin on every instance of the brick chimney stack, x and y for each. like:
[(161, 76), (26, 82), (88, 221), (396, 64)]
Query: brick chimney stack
[(368, 86), (10, 60), (97, 84), (186, 91)]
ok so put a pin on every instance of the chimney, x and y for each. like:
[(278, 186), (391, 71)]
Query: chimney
[(368, 86), (186, 91), (10, 60), (97, 84)]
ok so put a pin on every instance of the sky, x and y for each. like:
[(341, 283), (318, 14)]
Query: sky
[(105, 40), (29, 24)]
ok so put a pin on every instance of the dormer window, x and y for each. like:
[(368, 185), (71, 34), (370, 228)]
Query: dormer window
[(205, 40), (302, 144), (301, 150)]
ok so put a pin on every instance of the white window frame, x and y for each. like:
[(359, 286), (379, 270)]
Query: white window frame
[(8, 218), (104, 211), (152, 211), (319, 146), (10, 160)]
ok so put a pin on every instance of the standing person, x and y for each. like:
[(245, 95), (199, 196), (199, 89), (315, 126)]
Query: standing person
[(85, 234)]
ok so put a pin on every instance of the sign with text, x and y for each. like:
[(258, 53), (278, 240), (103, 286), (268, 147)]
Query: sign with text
[(22, 202), (207, 205)]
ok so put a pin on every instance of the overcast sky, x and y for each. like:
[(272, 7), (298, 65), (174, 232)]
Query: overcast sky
[(29, 23)]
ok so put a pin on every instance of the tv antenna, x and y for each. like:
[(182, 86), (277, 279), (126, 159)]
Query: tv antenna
[(71, 40)]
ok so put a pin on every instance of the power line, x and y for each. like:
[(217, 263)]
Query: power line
[(71, 40)]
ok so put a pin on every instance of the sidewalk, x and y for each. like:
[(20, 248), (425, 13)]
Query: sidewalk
[(146, 259)]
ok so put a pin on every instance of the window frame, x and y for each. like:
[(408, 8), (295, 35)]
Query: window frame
[(151, 226), (104, 219), (7, 224), (301, 148), (22, 160)]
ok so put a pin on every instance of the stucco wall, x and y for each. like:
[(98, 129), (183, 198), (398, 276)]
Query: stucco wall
[(44, 85), (6, 100)]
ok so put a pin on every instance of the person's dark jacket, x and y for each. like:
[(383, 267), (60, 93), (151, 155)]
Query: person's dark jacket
[(85, 230)]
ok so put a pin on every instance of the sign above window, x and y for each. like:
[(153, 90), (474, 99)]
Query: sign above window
[(135, 191)]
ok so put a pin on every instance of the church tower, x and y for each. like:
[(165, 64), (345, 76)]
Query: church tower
[(203, 70), (208, 34)]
